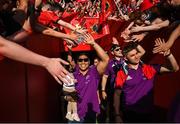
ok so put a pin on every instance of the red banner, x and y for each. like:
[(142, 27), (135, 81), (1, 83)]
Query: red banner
[(47, 18), (68, 16), (107, 6)]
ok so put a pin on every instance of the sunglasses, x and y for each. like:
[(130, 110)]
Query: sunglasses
[(85, 60), (117, 49)]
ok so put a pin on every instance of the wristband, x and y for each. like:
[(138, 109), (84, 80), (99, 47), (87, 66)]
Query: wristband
[(168, 55), (93, 44)]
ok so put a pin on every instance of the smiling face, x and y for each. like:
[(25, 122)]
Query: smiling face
[(83, 63)]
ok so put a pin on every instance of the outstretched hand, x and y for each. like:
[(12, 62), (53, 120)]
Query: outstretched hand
[(75, 39), (125, 34), (70, 43), (88, 39), (138, 37), (160, 46), (136, 28), (55, 68), (81, 31)]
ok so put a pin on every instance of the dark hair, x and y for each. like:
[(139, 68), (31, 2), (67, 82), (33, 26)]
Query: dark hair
[(56, 6), (129, 47), (114, 46), (135, 15), (83, 53), (96, 57)]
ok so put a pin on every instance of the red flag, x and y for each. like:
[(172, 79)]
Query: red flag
[(78, 23), (75, 22), (93, 27), (107, 7), (120, 79), (68, 16), (47, 18)]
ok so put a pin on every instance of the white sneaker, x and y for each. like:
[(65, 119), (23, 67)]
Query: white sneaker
[(69, 116), (75, 117)]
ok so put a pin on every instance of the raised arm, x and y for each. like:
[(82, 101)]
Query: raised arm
[(100, 52), (165, 46), (153, 26), (50, 32), (22, 34), (31, 24), (141, 50), (172, 65)]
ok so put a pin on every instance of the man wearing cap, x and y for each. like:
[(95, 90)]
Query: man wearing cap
[(113, 89)]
